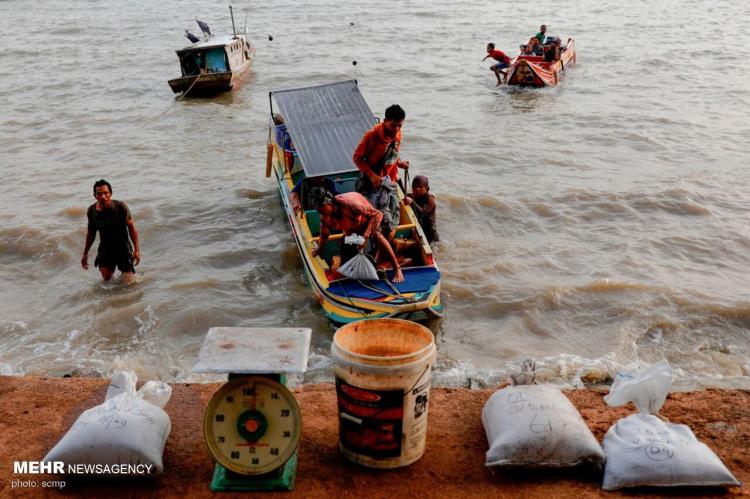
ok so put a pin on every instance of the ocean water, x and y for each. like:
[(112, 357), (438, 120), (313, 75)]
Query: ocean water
[(588, 226)]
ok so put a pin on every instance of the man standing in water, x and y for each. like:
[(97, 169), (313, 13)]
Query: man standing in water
[(113, 221)]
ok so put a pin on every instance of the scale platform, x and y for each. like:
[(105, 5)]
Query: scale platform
[(254, 350)]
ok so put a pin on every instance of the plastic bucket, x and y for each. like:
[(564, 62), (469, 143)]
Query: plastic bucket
[(383, 387)]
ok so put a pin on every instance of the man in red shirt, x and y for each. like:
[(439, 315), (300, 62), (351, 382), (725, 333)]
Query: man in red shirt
[(376, 156), (351, 213), (503, 62)]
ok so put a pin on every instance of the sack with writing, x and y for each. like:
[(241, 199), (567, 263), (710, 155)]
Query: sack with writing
[(537, 426), (644, 450), (127, 430)]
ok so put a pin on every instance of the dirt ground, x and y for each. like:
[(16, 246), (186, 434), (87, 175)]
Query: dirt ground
[(36, 412)]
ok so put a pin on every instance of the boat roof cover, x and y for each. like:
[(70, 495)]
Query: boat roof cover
[(325, 123), (212, 42)]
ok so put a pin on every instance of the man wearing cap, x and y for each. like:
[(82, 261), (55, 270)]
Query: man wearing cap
[(111, 218), (351, 213)]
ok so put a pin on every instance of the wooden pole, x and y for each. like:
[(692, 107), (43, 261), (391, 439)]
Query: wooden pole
[(231, 13), (269, 158)]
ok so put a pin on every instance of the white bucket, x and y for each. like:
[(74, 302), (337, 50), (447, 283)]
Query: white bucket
[(382, 387)]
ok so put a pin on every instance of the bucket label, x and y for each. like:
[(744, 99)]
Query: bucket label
[(370, 421)]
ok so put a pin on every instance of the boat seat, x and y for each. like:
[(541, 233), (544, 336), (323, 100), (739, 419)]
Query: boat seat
[(406, 228)]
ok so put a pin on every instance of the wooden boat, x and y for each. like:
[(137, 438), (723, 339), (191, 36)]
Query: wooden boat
[(213, 65), (314, 135), (532, 70)]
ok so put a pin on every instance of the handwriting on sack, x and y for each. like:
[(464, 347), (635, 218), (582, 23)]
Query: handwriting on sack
[(114, 416), (657, 445), (545, 418)]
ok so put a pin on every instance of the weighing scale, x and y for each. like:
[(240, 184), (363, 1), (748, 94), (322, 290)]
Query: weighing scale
[(252, 424)]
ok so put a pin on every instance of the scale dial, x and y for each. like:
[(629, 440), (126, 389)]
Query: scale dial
[(252, 425)]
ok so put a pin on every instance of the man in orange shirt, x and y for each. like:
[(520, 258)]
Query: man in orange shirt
[(376, 156)]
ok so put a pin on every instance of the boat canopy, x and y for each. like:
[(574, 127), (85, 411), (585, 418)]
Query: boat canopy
[(213, 41), (325, 123)]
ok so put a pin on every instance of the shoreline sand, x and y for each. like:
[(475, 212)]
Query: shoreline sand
[(35, 412)]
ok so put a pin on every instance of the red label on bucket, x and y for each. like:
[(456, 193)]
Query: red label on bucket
[(370, 421)]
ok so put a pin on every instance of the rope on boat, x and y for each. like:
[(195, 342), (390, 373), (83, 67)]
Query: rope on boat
[(178, 99), (396, 292), (189, 88)]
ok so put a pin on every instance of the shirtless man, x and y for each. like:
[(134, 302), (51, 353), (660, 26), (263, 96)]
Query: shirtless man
[(351, 213), (111, 218)]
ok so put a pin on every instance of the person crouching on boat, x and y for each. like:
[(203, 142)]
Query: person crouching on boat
[(503, 61), (425, 207), (377, 157), (351, 213)]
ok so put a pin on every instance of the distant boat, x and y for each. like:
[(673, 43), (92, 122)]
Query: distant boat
[(532, 70), (213, 65), (314, 135)]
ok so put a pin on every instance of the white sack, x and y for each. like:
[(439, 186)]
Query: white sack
[(537, 426), (359, 267), (129, 428), (642, 449)]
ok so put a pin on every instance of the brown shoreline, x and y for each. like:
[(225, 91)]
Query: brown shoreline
[(36, 412)]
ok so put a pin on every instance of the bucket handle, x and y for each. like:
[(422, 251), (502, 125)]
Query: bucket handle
[(417, 382)]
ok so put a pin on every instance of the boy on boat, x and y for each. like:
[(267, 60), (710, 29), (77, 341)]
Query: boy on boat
[(111, 218), (377, 157), (351, 213), (503, 61), (424, 206)]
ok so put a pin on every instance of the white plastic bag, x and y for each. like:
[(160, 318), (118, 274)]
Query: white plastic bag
[(537, 426), (642, 449), (359, 267), (354, 239), (129, 428), (646, 388)]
